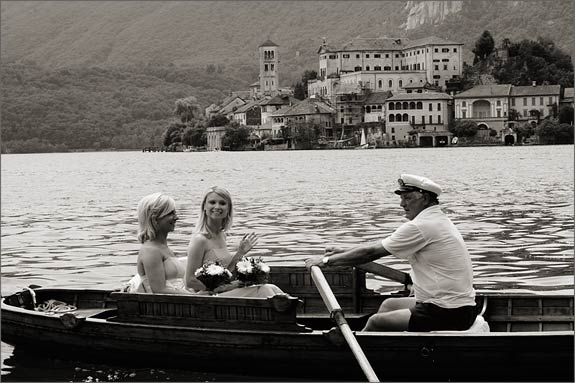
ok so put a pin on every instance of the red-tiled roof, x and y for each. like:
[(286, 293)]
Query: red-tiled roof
[(537, 90), (268, 43), (494, 90)]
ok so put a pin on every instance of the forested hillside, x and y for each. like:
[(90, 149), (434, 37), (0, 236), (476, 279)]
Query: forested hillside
[(92, 74)]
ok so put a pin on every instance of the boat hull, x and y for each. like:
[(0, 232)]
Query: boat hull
[(503, 356)]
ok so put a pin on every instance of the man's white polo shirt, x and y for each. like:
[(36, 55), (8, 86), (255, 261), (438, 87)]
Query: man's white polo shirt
[(442, 271)]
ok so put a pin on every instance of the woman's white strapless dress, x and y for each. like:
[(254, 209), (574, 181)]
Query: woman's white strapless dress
[(175, 269)]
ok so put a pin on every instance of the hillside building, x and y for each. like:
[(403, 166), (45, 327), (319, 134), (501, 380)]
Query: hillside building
[(421, 119), (269, 68), (386, 64), (490, 105)]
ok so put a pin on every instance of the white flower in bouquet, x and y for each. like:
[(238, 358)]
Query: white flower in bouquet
[(252, 270), (213, 274)]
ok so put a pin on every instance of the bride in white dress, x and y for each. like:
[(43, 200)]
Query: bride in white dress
[(208, 244), (158, 269)]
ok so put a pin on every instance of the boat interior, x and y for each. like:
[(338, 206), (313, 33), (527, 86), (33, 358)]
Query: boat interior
[(303, 310)]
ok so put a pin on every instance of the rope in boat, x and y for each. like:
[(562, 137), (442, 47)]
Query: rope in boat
[(54, 306)]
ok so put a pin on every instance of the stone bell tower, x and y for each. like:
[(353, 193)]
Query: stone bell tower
[(269, 75)]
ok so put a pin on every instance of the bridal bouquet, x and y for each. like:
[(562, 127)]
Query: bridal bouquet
[(252, 271), (213, 274)]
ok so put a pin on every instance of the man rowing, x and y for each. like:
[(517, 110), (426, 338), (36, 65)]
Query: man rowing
[(442, 273)]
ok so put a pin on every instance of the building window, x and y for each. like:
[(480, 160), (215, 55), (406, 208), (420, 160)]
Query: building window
[(391, 106), (379, 83), (367, 67), (392, 129), (444, 67), (524, 101), (390, 83), (398, 117), (439, 119), (454, 49), (272, 67), (436, 50), (391, 118), (265, 67), (533, 101), (386, 55), (438, 106), (464, 114), (423, 119), (405, 117), (346, 55), (464, 104), (378, 68), (405, 105), (400, 83), (437, 67), (377, 55), (396, 67), (356, 56), (430, 107), (550, 101), (367, 56), (412, 105), (540, 100), (398, 105), (357, 69), (498, 102), (512, 102), (412, 120), (419, 105), (498, 112), (430, 119)]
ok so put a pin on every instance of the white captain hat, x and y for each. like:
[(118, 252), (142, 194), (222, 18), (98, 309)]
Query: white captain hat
[(410, 182)]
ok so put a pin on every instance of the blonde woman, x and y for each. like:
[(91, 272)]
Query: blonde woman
[(209, 244), (158, 269)]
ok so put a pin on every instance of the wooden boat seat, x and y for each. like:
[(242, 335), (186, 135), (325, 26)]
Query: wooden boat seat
[(274, 313), (347, 283)]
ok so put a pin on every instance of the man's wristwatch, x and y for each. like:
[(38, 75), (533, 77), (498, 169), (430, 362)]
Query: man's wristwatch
[(325, 260)]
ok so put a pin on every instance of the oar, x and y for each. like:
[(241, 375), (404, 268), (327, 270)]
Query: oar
[(337, 315), (386, 272)]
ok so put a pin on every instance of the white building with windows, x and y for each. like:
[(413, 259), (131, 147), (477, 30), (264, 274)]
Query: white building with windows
[(382, 64), (422, 118)]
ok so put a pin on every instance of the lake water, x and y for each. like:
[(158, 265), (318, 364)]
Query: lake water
[(68, 220)]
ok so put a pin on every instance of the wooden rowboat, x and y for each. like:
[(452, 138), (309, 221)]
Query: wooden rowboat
[(530, 339)]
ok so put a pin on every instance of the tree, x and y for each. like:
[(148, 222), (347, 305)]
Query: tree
[(188, 109), (236, 136), (540, 61), (523, 131), (566, 114), (305, 134), (173, 134), (195, 135), (218, 120), (483, 47), (300, 88), (552, 132), (464, 128), (513, 115)]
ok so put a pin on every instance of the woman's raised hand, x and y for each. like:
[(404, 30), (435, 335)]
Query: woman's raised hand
[(247, 243)]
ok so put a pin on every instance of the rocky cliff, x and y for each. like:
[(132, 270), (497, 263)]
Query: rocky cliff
[(429, 12)]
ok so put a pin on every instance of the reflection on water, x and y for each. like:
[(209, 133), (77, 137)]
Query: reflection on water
[(68, 220)]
